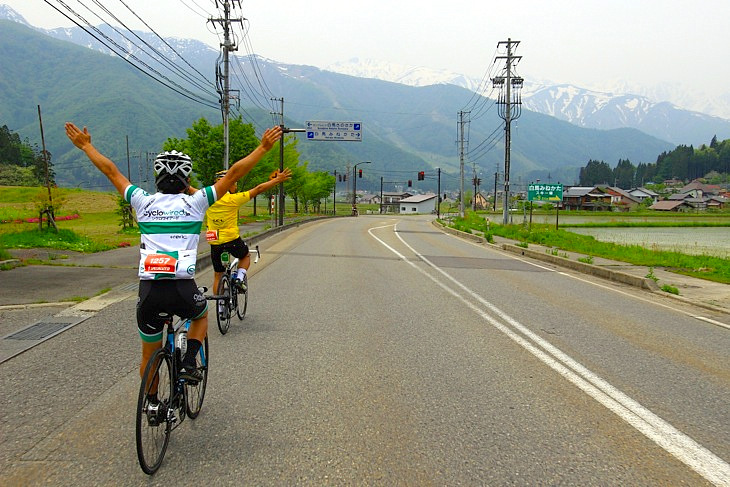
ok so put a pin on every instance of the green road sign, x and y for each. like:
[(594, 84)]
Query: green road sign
[(544, 192)]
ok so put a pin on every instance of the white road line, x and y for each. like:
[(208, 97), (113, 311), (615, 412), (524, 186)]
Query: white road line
[(681, 446)]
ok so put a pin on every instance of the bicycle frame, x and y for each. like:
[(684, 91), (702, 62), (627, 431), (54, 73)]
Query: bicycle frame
[(172, 345)]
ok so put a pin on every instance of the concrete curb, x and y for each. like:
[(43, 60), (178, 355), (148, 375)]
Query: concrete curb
[(610, 274), (641, 282), (598, 271)]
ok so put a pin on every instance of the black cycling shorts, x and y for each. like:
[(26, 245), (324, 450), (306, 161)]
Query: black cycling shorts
[(237, 248), (180, 297)]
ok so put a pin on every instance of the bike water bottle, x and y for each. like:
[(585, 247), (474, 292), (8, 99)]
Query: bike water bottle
[(182, 341)]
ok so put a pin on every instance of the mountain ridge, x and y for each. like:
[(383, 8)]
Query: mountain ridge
[(407, 129)]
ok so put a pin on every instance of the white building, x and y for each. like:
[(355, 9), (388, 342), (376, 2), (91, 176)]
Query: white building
[(420, 203)]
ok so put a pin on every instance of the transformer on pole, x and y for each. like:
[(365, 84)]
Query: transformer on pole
[(510, 108)]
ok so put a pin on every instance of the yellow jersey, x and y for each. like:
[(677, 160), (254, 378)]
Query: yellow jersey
[(221, 219)]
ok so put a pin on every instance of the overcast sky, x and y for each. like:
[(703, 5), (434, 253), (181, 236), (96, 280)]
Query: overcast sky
[(588, 43)]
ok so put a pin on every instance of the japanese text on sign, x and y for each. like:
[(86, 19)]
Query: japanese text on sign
[(545, 192), (332, 130)]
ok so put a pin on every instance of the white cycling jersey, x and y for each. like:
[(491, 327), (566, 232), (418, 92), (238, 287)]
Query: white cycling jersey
[(170, 226)]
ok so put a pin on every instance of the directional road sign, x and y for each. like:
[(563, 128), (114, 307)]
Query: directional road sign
[(332, 130), (544, 192)]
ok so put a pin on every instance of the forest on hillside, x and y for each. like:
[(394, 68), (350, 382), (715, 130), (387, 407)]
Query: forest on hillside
[(684, 163), (22, 163)]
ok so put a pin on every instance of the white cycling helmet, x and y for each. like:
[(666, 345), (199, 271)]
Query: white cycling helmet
[(172, 169), (173, 162)]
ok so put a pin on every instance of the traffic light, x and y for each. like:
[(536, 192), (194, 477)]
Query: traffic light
[(359, 173), (339, 177), (479, 181), (421, 175), (410, 183)]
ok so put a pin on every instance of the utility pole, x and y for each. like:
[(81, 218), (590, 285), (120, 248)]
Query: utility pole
[(128, 166), (334, 195), (496, 178), (284, 131), (227, 46), (461, 162), (49, 209), (438, 193), (509, 104)]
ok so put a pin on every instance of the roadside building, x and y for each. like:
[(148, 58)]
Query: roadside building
[(418, 204), (391, 201), (480, 202)]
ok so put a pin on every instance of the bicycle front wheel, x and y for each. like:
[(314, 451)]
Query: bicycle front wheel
[(153, 427), (223, 313), (242, 301), (194, 394)]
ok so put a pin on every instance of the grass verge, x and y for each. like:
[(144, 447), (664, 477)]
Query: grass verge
[(63, 239), (701, 266)]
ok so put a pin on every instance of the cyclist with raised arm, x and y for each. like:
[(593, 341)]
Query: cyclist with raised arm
[(170, 222), (221, 221)]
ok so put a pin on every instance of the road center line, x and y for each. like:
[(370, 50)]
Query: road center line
[(681, 446)]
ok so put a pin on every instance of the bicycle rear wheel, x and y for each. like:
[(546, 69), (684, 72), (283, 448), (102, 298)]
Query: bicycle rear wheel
[(242, 301), (194, 394), (153, 427), (223, 313)]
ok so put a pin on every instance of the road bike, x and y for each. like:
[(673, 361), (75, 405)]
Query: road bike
[(229, 295), (165, 399)]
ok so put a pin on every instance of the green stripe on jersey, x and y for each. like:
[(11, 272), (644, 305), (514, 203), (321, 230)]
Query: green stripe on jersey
[(128, 193), (150, 228), (209, 194)]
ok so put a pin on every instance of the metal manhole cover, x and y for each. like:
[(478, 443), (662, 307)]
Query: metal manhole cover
[(38, 331)]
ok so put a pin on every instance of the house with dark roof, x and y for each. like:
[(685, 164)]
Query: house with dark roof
[(670, 205), (586, 198), (621, 200), (698, 189), (716, 202), (642, 194)]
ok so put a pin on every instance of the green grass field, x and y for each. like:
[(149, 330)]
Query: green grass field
[(705, 267), (98, 225)]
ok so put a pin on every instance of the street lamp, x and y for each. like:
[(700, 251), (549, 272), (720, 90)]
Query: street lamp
[(354, 185)]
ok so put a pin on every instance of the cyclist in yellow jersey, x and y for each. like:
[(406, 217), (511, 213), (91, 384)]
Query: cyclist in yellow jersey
[(222, 233)]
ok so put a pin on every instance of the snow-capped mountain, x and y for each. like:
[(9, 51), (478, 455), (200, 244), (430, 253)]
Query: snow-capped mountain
[(621, 106), (397, 73), (8, 13), (584, 107)]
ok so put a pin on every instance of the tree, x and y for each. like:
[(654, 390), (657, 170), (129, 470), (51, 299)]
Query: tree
[(623, 174), (22, 164), (205, 146), (595, 172), (316, 185)]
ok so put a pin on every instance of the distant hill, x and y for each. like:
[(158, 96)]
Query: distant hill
[(619, 108), (406, 129)]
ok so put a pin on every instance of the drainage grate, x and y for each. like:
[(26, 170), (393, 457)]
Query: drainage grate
[(38, 331)]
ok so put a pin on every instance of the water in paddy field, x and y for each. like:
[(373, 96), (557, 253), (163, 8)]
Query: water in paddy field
[(713, 241)]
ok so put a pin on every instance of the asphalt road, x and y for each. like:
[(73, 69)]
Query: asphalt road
[(381, 351)]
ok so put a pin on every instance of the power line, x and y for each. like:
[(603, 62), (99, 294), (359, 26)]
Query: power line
[(118, 50)]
